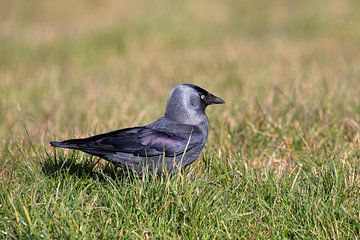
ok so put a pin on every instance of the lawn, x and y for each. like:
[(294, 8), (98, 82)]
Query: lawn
[(283, 154)]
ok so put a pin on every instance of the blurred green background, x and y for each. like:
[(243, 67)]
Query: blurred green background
[(75, 68)]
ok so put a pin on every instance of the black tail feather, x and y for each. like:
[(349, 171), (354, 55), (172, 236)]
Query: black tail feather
[(78, 144), (63, 144), (56, 144)]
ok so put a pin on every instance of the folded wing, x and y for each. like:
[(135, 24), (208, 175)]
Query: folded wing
[(139, 141)]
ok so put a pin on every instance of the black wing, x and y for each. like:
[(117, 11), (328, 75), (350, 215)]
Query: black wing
[(139, 141)]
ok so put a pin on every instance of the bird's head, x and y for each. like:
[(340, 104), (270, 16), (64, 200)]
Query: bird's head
[(187, 102)]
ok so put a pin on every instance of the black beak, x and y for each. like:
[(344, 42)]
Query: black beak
[(212, 99)]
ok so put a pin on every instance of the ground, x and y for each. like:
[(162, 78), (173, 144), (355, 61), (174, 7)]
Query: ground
[(282, 159)]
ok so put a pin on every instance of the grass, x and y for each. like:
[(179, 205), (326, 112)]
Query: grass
[(282, 159)]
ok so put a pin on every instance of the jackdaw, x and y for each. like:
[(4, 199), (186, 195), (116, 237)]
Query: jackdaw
[(170, 143)]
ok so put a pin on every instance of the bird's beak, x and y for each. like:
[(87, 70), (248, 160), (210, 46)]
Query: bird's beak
[(212, 99)]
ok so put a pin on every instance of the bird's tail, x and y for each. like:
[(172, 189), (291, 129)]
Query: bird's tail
[(78, 144), (56, 144), (73, 143)]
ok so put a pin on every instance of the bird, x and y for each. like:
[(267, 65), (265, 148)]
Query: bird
[(171, 143)]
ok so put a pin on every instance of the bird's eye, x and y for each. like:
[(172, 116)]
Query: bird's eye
[(202, 96)]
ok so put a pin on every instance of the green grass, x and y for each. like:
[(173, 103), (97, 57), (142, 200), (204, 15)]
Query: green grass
[(233, 201), (282, 159)]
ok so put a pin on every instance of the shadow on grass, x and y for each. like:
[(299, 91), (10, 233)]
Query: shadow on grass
[(83, 167)]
